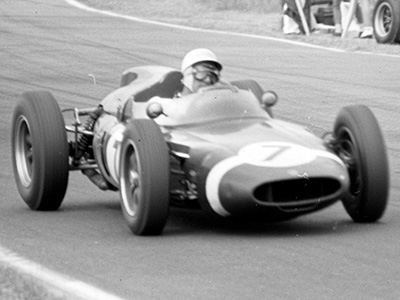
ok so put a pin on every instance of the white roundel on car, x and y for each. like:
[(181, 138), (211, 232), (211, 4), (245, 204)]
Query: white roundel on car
[(113, 150), (276, 154)]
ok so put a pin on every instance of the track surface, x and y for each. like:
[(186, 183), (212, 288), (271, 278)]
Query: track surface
[(51, 45)]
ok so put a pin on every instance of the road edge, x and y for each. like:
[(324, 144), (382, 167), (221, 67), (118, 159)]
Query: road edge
[(52, 281)]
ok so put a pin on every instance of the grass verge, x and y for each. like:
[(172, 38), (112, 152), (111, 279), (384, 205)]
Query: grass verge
[(260, 17)]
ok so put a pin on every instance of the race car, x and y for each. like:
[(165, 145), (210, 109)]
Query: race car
[(220, 150)]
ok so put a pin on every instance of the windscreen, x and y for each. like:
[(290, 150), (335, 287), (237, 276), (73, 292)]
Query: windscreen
[(211, 105)]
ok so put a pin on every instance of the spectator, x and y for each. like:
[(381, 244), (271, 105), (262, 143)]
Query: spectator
[(290, 10), (362, 13), (337, 17), (367, 30)]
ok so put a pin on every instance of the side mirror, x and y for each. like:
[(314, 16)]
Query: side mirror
[(268, 99), (154, 109)]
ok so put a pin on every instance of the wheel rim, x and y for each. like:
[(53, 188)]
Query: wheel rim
[(384, 19), (131, 182), (348, 152), (23, 151)]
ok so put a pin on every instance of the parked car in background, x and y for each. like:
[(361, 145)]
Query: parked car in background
[(386, 21)]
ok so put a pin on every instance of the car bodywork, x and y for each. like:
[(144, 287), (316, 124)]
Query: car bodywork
[(226, 154), (239, 159)]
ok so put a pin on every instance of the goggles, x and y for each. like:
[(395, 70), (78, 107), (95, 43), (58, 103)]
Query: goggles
[(204, 72)]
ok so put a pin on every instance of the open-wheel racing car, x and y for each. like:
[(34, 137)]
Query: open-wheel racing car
[(219, 150)]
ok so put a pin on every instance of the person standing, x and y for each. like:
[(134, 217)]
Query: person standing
[(366, 31), (337, 17), (362, 13)]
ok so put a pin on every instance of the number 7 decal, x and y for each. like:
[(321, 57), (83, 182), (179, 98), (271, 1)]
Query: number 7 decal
[(272, 151), (277, 154)]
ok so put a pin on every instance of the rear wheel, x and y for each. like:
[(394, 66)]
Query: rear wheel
[(254, 87), (40, 151), (361, 146), (144, 178), (386, 21), (127, 78)]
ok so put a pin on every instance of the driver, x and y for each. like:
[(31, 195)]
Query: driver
[(200, 68)]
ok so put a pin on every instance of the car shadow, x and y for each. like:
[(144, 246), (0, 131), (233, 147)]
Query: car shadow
[(187, 222)]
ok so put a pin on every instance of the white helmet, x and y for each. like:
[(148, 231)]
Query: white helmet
[(199, 55)]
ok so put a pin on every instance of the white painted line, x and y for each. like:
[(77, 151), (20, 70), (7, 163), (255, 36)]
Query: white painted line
[(112, 14), (70, 286), (140, 20)]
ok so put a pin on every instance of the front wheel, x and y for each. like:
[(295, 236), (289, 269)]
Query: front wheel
[(144, 177), (386, 21), (40, 151), (359, 143)]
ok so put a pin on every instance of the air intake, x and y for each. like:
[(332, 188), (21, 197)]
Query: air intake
[(296, 190)]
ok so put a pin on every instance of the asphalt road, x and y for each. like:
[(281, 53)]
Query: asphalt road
[(79, 57)]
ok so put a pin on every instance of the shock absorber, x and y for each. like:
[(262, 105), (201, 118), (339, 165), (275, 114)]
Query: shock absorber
[(85, 141)]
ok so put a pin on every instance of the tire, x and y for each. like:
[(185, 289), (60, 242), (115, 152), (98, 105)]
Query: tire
[(128, 78), (40, 151), (386, 21), (144, 178), (254, 87), (249, 85), (361, 146)]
